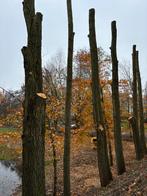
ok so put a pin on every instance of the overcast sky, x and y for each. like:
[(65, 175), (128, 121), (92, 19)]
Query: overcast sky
[(129, 14)]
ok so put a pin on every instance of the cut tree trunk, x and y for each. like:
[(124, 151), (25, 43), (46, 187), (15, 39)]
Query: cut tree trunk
[(33, 174), (140, 100), (68, 101), (108, 133), (116, 104), (102, 152), (134, 122)]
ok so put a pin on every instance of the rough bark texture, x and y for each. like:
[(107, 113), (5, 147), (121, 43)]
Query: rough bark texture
[(110, 148), (33, 175), (68, 101), (102, 152), (116, 104), (107, 132), (134, 122), (140, 100)]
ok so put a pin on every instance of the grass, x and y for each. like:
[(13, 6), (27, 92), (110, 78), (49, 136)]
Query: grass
[(7, 153), (145, 126), (9, 140), (7, 129), (125, 125)]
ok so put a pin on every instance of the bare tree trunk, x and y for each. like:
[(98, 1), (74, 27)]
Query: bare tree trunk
[(33, 177), (134, 122), (102, 152), (107, 133), (110, 148), (116, 104), (68, 101), (140, 100)]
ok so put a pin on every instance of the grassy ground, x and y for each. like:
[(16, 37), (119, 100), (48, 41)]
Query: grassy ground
[(10, 144), (126, 127), (6, 129), (7, 153)]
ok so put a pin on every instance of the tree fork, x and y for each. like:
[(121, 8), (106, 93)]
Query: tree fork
[(116, 104), (33, 174), (102, 151)]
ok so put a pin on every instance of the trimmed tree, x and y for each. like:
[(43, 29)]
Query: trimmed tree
[(116, 104), (99, 121), (68, 101), (134, 119), (140, 100), (33, 175)]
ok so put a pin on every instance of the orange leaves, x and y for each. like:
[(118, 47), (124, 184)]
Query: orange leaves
[(55, 108), (9, 137), (83, 57)]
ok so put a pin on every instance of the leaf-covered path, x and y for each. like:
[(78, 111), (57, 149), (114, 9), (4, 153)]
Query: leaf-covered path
[(84, 173)]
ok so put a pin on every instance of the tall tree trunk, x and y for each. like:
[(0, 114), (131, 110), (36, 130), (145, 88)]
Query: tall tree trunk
[(68, 101), (140, 100), (102, 152), (108, 134), (134, 122), (116, 104), (110, 147), (33, 175)]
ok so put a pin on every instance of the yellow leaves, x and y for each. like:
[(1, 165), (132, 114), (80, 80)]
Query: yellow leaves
[(18, 150), (10, 137), (55, 108), (13, 118)]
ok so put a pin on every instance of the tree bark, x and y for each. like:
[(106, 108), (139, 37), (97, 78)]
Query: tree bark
[(116, 104), (107, 133), (110, 148), (140, 100), (33, 175), (102, 152), (68, 101), (134, 122)]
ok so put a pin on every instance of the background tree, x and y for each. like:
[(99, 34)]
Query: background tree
[(11, 108), (125, 92), (54, 116), (82, 97), (33, 172)]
